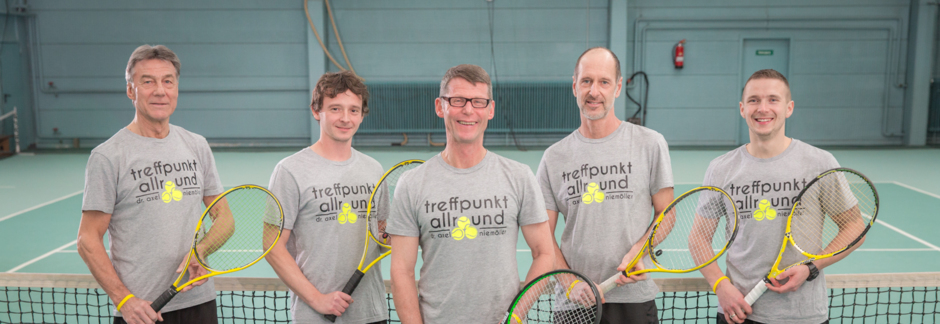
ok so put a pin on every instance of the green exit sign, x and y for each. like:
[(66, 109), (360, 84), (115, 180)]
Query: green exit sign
[(765, 52)]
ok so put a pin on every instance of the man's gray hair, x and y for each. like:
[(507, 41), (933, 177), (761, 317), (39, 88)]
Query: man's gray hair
[(147, 52)]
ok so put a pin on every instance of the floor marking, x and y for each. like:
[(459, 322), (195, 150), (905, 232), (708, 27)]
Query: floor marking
[(915, 238), (894, 250), (42, 256), (40, 205), (7, 187), (916, 189)]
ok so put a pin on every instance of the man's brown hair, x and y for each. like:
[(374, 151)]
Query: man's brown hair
[(472, 73), (332, 84), (767, 74)]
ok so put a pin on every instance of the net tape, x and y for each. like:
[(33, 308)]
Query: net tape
[(857, 298)]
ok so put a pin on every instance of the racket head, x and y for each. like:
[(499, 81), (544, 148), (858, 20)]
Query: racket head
[(693, 231), (380, 201), (238, 229), (839, 198), (560, 297)]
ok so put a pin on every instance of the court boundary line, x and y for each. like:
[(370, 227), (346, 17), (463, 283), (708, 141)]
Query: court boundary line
[(41, 205), (915, 189), (37, 259)]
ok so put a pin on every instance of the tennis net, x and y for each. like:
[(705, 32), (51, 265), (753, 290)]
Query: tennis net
[(861, 298)]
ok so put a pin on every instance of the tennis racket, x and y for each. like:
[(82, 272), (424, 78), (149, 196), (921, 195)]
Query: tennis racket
[(377, 214), (237, 230), (558, 297), (694, 230), (831, 214)]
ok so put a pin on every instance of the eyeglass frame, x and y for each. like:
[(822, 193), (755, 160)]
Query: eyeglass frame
[(468, 100)]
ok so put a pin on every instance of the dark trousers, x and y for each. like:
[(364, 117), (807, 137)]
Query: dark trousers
[(200, 314), (720, 319), (630, 313)]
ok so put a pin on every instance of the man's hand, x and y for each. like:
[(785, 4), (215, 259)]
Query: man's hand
[(195, 270), (138, 311), (332, 303), (732, 302), (623, 280), (793, 278)]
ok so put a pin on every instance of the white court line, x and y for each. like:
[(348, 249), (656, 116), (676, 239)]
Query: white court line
[(902, 232), (916, 189), (40, 205), (42, 256), (893, 250), (7, 187)]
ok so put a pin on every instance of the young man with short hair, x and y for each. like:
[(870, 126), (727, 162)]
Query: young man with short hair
[(324, 190), (798, 294)]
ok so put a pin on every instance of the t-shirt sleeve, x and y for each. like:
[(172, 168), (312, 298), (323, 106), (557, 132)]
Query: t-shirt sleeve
[(532, 210), (661, 166), (100, 184), (403, 219), (284, 187), (548, 196), (211, 174)]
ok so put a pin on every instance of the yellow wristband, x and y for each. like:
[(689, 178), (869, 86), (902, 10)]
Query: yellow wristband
[(124, 301), (568, 293), (715, 287)]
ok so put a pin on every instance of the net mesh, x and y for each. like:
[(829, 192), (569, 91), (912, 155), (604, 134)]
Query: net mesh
[(865, 298)]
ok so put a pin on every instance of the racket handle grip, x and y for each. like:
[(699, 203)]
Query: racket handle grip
[(609, 284), (164, 298), (350, 287), (755, 293)]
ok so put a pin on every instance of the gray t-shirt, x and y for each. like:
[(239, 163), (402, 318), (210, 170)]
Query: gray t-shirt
[(603, 187), (153, 188), (325, 206), (467, 222), (764, 190)]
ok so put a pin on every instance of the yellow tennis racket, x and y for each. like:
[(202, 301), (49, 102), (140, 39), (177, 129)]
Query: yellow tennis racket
[(694, 230), (236, 231), (377, 214), (831, 214)]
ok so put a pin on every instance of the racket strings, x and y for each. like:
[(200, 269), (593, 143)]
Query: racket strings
[(382, 200), (693, 230), (833, 213), (238, 229), (560, 298)]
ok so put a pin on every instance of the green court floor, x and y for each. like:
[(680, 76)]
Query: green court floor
[(41, 195)]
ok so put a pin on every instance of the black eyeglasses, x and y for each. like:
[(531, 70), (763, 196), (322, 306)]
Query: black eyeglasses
[(461, 102)]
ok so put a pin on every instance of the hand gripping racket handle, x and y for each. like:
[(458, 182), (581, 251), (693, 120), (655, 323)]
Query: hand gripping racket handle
[(350, 286), (609, 284), (755, 293), (164, 298)]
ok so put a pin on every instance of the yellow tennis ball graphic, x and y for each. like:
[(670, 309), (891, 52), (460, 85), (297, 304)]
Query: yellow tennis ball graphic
[(592, 187), (599, 196), (771, 213), (763, 204), (471, 232), (587, 198), (457, 234), (341, 217), (463, 221), (166, 197)]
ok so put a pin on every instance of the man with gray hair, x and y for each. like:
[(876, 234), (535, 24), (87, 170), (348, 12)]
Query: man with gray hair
[(465, 208), (145, 187)]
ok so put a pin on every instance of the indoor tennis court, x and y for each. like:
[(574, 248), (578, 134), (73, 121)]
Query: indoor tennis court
[(862, 75)]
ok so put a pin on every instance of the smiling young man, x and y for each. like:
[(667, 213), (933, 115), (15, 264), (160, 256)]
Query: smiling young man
[(607, 178), (465, 208), (324, 190), (145, 187), (783, 166)]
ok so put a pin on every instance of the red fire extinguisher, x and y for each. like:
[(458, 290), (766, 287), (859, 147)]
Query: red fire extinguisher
[(678, 56)]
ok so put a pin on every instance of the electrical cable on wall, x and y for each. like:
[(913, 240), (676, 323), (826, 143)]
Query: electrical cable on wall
[(641, 108), (335, 31), (491, 14)]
